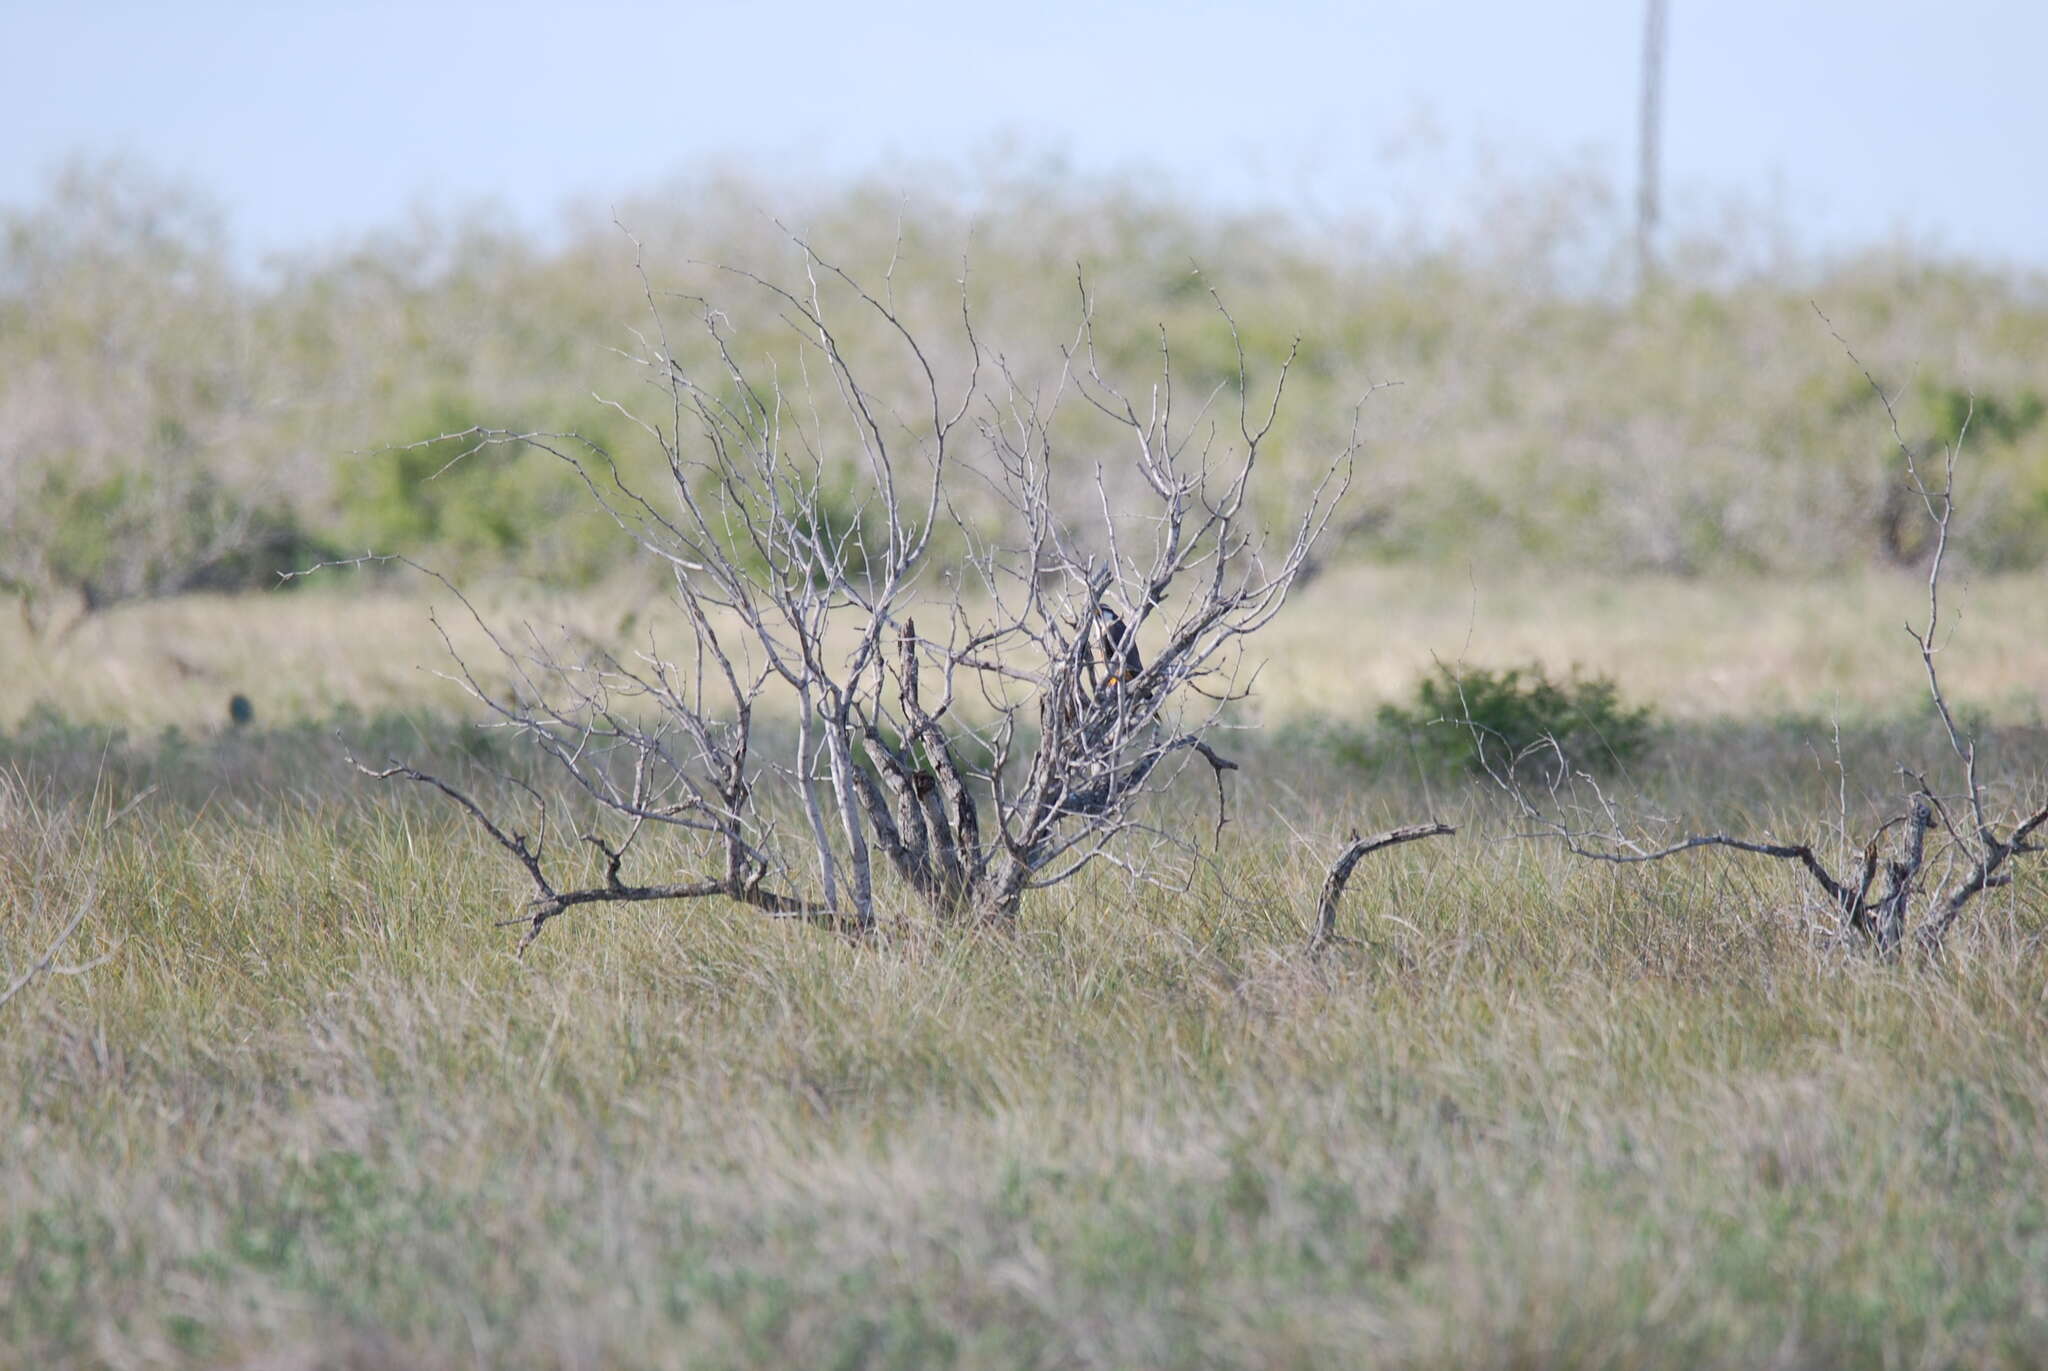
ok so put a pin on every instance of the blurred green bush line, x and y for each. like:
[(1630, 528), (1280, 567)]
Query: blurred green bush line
[(169, 420)]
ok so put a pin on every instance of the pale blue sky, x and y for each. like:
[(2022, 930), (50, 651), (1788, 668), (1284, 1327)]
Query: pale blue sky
[(1857, 121)]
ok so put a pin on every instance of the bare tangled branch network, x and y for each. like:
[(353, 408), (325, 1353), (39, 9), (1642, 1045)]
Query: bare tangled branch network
[(1919, 869), (968, 683)]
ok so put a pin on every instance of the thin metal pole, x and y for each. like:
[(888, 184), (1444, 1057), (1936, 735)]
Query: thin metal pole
[(1650, 135)]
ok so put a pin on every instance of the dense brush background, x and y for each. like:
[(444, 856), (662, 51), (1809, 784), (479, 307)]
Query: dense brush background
[(172, 419)]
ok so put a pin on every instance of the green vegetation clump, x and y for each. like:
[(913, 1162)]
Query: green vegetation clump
[(137, 534), (2005, 470), (1478, 718), (474, 507)]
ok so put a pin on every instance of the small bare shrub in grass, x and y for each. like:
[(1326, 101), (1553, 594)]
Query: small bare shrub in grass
[(965, 728), (1921, 868)]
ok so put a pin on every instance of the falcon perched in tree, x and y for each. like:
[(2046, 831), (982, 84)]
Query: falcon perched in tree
[(1120, 661)]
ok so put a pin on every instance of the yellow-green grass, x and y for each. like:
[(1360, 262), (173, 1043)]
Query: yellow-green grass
[(1695, 649), (311, 1111)]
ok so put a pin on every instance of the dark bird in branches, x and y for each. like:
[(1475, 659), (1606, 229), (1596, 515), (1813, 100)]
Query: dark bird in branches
[(1120, 661)]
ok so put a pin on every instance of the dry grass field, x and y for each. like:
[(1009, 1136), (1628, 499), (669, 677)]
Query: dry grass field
[(306, 1109), (287, 1098), (1696, 649)]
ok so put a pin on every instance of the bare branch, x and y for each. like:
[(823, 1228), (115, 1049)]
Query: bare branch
[(46, 964), (1340, 873)]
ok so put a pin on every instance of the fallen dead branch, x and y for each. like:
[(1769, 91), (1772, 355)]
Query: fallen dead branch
[(1340, 873)]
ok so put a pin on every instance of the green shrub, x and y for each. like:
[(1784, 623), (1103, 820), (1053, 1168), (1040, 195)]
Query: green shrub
[(1958, 414), (473, 508), (1457, 713), (2003, 477), (137, 534)]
